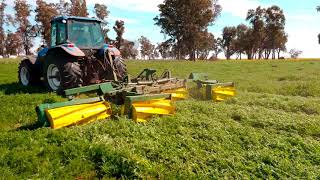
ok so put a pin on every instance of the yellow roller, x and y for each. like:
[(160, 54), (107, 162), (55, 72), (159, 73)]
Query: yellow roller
[(78, 114), (178, 94), (222, 93), (142, 111)]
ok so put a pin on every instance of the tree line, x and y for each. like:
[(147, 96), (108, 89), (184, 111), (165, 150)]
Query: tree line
[(184, 23), (21, 41), (265, 37)]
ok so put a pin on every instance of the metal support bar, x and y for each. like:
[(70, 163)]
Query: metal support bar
[(113, 67), (146, 74), (198, 76), (132, 99), (208, 92), (101, 88)]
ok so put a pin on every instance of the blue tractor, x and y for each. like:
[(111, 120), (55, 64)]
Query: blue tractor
[(77, 56)]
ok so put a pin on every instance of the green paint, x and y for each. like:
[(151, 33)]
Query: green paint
[(100, 88)]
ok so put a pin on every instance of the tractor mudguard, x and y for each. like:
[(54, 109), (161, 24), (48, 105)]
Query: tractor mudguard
[(36, 63), (70, 49), (111, 49)]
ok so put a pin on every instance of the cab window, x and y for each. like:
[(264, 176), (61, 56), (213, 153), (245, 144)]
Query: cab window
[(53, 35), (62, 33)]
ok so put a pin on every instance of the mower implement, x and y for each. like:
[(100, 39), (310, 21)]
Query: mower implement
[(221, 92), (142, 108), (78, 114), (140, 101), (75, 112), (141, 98), (178, 94), (214, 90)]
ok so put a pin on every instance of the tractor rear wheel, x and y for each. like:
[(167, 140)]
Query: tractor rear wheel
[(61, 74), (26, 73), (121, 68)]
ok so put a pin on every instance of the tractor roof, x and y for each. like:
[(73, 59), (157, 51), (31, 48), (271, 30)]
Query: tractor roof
[(59, 18)]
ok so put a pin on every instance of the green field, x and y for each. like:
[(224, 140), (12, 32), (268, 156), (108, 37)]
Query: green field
[(270, 130)]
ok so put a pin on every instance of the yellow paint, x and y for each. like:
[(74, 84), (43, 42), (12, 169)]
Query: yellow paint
[(222, 93), (78, 114), (142, 111), (178, 94)]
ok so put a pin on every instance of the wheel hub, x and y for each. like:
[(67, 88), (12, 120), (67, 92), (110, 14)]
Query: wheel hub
[(24, 76), (53, 76)]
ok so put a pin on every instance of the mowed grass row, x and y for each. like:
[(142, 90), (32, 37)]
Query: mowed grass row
[(271, 129)]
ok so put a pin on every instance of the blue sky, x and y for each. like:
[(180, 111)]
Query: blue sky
[(302, 19)]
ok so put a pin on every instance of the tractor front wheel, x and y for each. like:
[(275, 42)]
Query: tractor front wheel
[(63, 75)]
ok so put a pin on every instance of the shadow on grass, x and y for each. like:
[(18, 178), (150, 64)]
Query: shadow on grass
[(16, 88), (30, 127)]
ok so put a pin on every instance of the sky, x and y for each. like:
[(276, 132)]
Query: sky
[(301, 19)]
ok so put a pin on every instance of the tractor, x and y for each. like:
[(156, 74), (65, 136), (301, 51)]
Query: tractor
[(78, 61), (77, 56)]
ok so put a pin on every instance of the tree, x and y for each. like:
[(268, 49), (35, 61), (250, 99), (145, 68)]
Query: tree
[(2, 22), (206, 46), (102, 13), (164, 49), (281, 40), (155, 54), (24, 26), (129, 51), (63, 7), (228, 41), (79, 8), (119, 29), (243, 43), (184, 21), (44, 13), (13, 43), (295, 53), (216, 49), (318, 9), (275, 24), (268, 35), (256, 18), (147, 48), (240, 38)]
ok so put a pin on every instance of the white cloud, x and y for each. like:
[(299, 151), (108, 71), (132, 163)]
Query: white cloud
[(304, 39), (238, 8)]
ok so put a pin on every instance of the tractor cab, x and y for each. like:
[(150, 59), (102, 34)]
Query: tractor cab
[(84, 33)]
